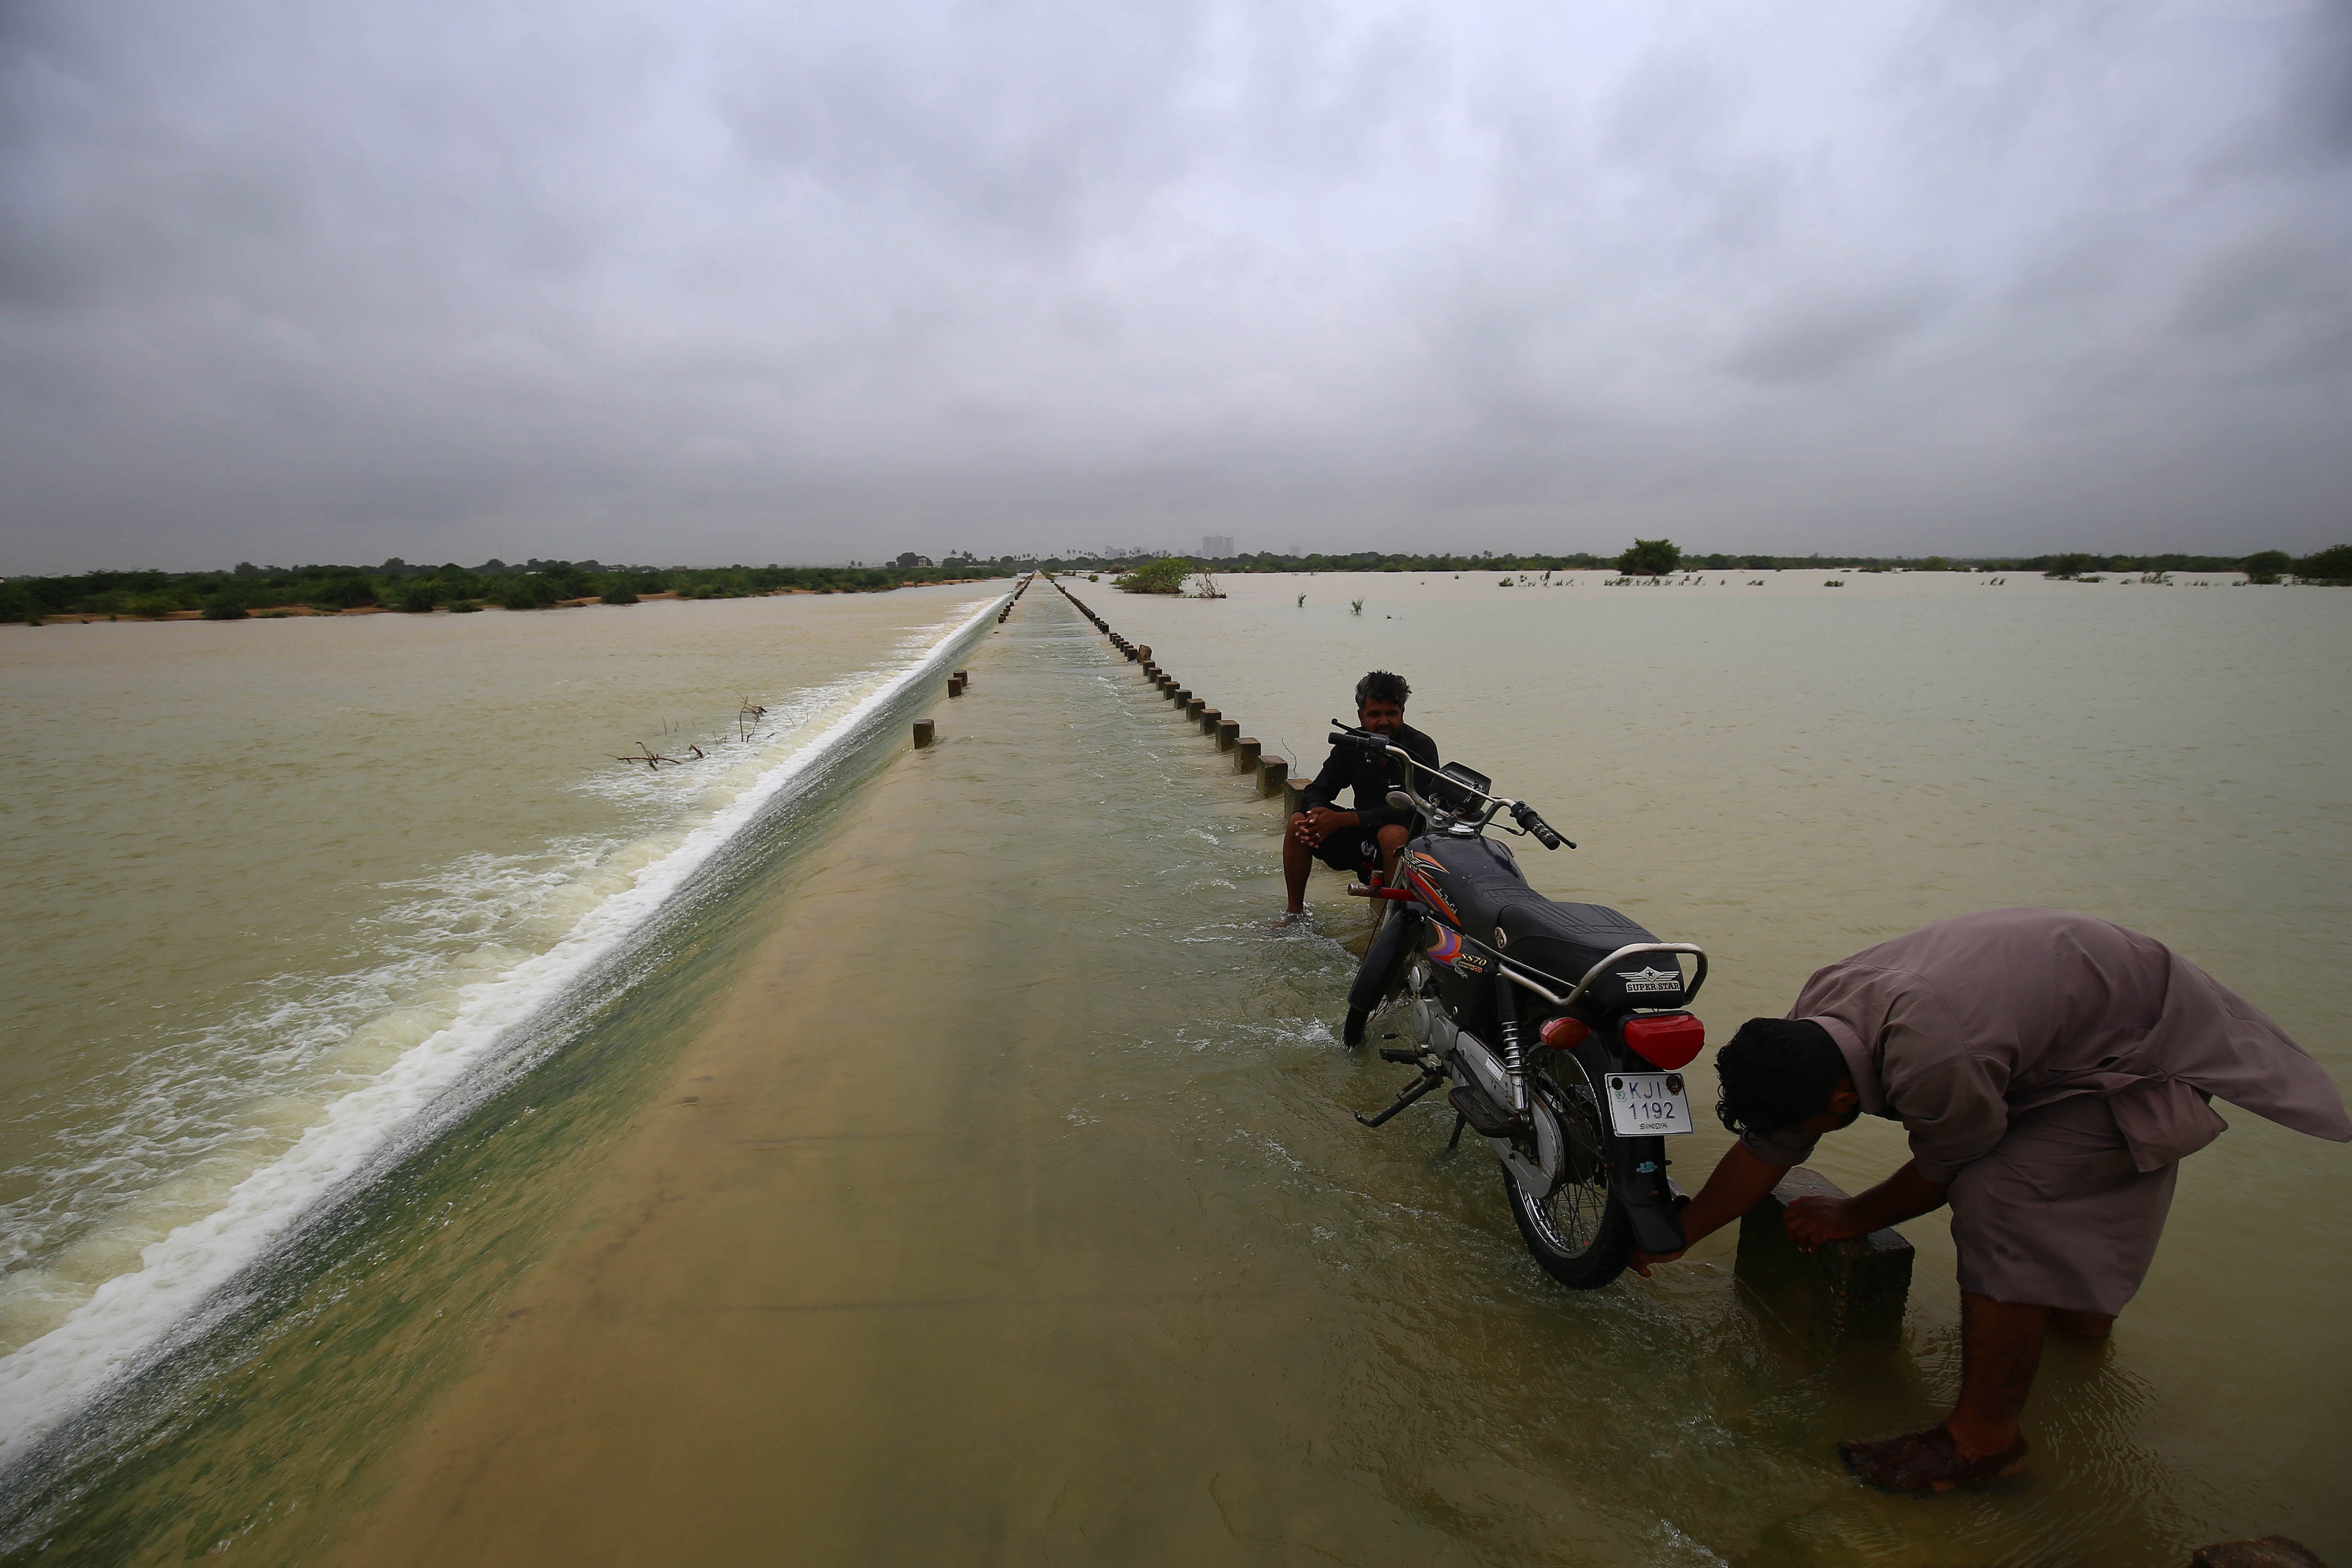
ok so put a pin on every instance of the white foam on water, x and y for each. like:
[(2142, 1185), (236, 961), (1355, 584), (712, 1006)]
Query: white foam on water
[(129, 1316)]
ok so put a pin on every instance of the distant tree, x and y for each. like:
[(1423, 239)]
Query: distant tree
[(2331, 565), (1935, 563), (223, 607), (527, 594), (343, 593), (2264, 565), (1165, 575), (417, 598), (1650, 558), (2072, 564)]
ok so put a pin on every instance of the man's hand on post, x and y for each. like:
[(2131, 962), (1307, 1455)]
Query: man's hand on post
[(1813, 1223)]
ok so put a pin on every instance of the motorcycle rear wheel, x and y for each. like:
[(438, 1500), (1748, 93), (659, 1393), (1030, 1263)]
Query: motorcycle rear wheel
[(1581, 1233)]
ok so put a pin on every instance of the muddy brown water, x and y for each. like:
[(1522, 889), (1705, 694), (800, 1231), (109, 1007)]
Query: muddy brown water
[(975, 1180)]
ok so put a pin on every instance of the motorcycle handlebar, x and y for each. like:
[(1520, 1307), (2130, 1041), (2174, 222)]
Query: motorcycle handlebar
[(1545, 835), (1523, 814)]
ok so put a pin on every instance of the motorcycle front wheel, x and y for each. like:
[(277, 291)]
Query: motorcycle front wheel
[(1580, 1232)]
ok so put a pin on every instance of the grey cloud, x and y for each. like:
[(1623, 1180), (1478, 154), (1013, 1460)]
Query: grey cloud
[(2316, 109), (1828, 333), (2288, 275), (277, 280)]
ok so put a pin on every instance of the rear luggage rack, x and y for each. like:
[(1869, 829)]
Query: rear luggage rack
[(1629, 950)]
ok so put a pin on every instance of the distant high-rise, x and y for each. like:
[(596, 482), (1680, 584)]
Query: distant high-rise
[(1216, 546)]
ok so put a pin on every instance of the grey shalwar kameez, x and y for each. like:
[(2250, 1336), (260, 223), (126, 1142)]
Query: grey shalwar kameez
[(2053, 1070)]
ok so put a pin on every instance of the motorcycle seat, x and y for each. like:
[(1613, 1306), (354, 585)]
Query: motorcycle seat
[(1565, 940), (1558, 943)]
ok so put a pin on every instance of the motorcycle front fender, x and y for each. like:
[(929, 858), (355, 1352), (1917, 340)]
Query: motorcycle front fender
[(1390, 946)]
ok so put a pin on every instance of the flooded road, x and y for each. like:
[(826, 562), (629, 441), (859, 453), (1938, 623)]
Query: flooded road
[(973, 1179)]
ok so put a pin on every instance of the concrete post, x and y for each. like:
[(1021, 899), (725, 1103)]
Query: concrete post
[(1848, 1294), (1271, 774), (955, 685), (1244, 755), (1229, 734), (1143, 652), (1193, 706), (923, 733), (1210, 719)]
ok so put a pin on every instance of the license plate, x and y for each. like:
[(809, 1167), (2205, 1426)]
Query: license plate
[(1648, 1104)]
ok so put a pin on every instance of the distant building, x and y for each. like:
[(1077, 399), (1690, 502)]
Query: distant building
[(1217, 546), (911, 559)]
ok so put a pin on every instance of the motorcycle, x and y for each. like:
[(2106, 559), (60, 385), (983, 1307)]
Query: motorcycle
[(1562, 1028)]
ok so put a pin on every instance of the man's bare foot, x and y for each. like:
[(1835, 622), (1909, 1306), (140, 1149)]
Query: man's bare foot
[(2081, 1325), (1929, 1461)]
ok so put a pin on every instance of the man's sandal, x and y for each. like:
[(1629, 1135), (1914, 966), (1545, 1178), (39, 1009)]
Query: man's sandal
[(1928, 1461)]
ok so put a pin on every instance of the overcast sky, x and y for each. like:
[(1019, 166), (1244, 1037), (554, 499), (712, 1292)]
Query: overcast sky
[(690, 281)]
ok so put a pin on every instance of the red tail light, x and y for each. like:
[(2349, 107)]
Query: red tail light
[(1666, 1040), (1564, 1034)]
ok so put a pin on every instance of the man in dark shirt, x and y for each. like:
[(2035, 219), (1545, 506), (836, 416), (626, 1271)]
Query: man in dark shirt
[(1371, 833)]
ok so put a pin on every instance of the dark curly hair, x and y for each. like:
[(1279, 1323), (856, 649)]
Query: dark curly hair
[(1381, 686), (1775, 1073)]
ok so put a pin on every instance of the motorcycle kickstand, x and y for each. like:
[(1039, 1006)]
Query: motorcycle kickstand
[(1459, 1122), (1419, 1087)]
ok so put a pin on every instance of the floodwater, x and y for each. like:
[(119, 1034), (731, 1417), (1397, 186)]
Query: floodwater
[(955, 1168)]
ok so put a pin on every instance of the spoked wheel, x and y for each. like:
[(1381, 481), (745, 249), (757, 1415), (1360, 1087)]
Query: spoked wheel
[(1578, 1231)]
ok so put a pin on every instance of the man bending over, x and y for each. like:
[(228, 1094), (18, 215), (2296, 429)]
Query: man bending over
[(1358, 840), (2053, 1071)]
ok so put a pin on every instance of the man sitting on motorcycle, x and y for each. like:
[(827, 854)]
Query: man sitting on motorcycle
[(1356, 841), (2052, 1070)]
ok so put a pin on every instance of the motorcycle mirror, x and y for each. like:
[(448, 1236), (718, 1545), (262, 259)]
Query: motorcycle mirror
[(1400, 800)]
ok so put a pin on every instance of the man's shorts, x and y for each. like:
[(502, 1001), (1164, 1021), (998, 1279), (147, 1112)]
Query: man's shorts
[(2057, 1215), (1350, 849)]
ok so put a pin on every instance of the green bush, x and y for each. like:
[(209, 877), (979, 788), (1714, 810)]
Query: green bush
[(616, 596), (2331, 565), (464, 607), (1165, 575), (343, 593), (528, 593), (153, 605), (2264, 565), (222, 607), (1650, 558), (416, 598)]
